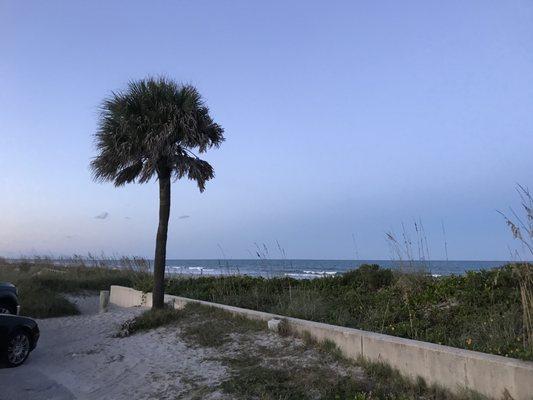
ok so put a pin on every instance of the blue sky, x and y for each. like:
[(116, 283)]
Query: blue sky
[(340, 117)]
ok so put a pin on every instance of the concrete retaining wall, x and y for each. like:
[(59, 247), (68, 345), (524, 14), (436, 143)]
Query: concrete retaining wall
[(125, 297), (449, 367)]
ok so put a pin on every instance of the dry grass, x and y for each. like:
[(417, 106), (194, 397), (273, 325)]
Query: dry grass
[(521, 227), (263, 365)]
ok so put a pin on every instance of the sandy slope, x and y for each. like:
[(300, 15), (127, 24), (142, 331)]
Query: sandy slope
[(78, 358)]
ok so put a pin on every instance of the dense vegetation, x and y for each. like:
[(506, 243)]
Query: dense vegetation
[(41, 284), (478, 311)]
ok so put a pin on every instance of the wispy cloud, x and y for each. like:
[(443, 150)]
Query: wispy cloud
[(103, 215)]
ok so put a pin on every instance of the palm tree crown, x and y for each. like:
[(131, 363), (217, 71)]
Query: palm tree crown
[(152, 128)]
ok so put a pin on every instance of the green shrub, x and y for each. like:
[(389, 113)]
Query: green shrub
[(149, 319), (39, 302), (480, 310), (41, 284)]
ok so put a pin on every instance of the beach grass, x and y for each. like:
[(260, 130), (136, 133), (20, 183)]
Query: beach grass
[(41, 283), (149, 319), (479, 310), (263, 367)]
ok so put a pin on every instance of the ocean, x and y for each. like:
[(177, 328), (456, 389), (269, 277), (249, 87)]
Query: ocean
[(302, 269)]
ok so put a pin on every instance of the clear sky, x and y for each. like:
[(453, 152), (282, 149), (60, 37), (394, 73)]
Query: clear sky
[(341, 117)]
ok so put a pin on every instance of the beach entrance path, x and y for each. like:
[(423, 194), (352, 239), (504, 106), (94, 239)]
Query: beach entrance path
[(79, 358), (204, 355)]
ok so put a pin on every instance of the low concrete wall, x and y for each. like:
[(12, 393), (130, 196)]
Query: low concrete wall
[(449, 367), (125, 297)]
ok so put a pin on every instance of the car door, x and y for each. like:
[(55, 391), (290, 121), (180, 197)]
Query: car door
[(5, 329)]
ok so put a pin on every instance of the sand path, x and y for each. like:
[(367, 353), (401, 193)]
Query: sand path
[(78, 358)]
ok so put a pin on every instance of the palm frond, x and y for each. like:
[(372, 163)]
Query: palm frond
[(194, 169)]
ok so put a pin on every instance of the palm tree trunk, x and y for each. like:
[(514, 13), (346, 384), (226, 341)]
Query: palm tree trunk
[(161, 240)]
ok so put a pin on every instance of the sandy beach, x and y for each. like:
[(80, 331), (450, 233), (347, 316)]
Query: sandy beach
[(78, 358)]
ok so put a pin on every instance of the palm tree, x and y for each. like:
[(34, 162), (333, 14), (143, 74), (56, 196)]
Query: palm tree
[(152, 130)]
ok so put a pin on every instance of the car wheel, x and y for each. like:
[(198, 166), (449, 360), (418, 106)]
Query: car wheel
[(6, 309), (18, 348)]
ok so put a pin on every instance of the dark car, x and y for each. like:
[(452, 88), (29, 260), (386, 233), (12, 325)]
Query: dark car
[(18, 337), (9, 303)]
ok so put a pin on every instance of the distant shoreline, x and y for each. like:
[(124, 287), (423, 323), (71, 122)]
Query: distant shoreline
[(295, 268)]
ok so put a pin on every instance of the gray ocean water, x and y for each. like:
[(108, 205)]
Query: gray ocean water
[(316, 268)]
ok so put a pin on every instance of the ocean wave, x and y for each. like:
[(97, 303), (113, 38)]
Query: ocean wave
[(307, 274), (202, 269), (298, 275), (183, 269), (321, 273)]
